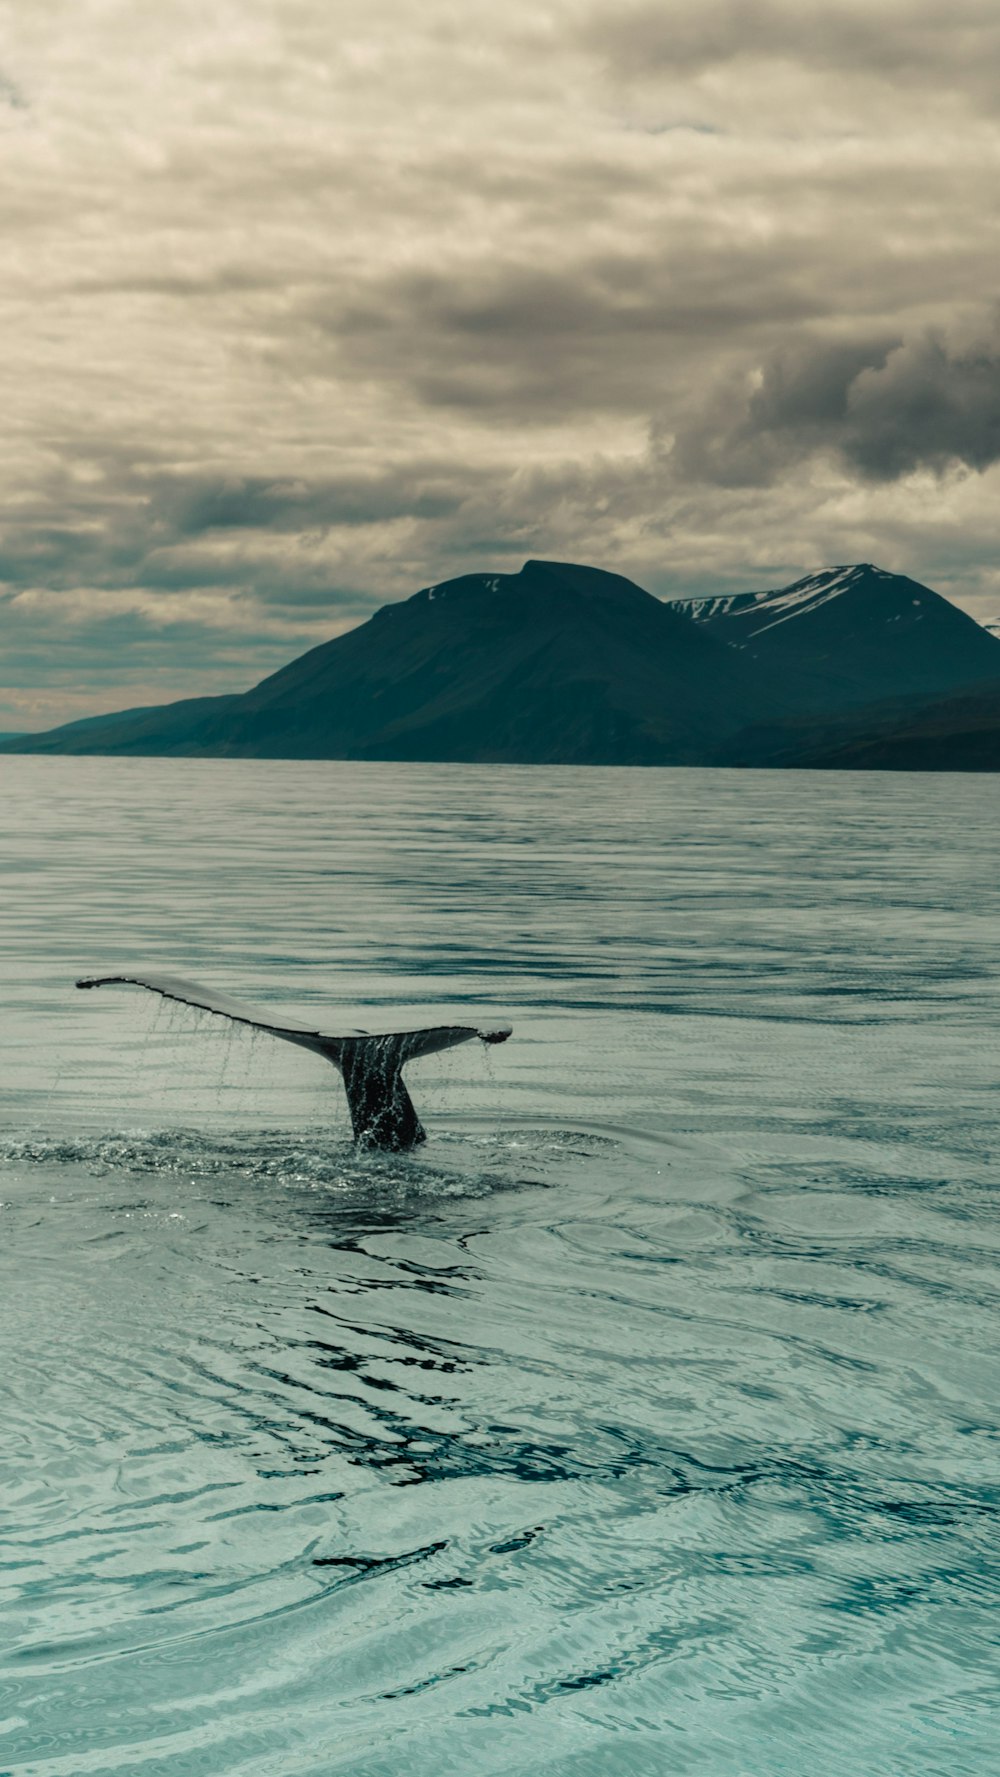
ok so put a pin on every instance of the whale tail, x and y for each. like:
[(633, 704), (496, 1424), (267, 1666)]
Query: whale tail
[(383, 1114), (370, 1062)]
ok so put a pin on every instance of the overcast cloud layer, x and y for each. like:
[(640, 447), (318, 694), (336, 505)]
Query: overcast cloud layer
[(309, 303)]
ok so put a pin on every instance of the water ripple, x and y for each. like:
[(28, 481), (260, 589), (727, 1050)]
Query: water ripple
[(645, 1421)]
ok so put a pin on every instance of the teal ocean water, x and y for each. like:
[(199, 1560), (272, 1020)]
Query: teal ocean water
[(644, 1421)]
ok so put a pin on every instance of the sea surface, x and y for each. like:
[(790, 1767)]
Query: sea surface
[(645, 1421)]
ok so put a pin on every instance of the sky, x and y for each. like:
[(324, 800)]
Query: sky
[(309, 303)]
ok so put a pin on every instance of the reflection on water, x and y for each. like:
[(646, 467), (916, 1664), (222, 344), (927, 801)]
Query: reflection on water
[(643, 1422)]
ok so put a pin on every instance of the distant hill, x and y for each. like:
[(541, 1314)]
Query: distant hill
[(83, 723), (151, 729), (951, 734), (853, 635), (565, 664), (555, 664), (956, 733)]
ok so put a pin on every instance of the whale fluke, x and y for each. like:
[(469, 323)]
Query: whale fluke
[(370, 1062)]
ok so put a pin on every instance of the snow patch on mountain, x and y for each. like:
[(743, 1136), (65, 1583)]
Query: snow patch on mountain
[(781, 605), (807, 595)]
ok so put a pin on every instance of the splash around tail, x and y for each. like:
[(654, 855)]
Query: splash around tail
[(370, 1062)]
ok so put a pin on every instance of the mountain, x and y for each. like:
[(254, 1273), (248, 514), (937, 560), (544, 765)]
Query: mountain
[(950, 734), (853, 635), (564, 664), (150, 729), (555, 664), (957, 733)]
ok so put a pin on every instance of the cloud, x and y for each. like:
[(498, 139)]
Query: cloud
[(197, 505), (887, 408), (910, 40), (537, 343), (926, 407), (11, 94), (305, 307)]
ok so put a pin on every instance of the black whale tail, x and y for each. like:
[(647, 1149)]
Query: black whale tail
[(382, 1112), (370, 1062)]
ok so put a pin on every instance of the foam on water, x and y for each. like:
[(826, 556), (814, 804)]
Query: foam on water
[(644, 1421)]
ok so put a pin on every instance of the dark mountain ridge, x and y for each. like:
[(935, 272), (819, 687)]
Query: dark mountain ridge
[(555, 664), (566, 664), (558, 663), (853, 635), (960, 732)]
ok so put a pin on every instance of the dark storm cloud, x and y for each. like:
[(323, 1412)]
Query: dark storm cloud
[(533, 342), (927, 407), (915, 39), (135, 525), (886, 408), (256, 503)]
